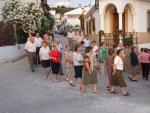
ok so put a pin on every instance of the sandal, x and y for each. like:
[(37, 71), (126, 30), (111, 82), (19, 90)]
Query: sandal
[(127, 94), (83, 91), (108, 88), (135, 80), (113, 92), (72, 85), (129, 78), (96, 93), (132, 79)]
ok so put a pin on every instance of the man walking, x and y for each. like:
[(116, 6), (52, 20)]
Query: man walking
[(30, 48), (70, 39), (38, 44)]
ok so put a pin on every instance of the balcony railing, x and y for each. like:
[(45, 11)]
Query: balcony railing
[(129, 39)]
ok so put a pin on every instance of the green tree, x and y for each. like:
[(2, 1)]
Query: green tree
[(63, 9), (47, 22)]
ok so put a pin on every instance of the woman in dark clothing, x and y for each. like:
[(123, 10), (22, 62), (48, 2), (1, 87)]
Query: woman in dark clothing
[(145, 59), (134, 64)]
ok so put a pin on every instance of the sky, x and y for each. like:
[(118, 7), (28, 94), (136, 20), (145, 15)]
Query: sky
[(71, 3)]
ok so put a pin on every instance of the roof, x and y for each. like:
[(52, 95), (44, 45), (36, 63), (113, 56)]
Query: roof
[(77, 11)]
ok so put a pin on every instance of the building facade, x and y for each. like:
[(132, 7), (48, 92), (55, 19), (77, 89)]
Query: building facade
[(129, 16), (72, 17)]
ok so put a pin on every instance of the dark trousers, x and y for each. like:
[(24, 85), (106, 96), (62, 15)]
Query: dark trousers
[(55, 67), (37, 59), (31, 58), (145, 70)]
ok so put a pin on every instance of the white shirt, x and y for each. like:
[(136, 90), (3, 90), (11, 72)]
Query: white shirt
[(69, 35), (73, 35), (30, 47), (95, 48), (87, 43), (76, 58), (38, 41), (118, 63), (44, 53)]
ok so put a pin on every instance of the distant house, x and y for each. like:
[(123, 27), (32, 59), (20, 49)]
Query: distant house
[(72, 17)]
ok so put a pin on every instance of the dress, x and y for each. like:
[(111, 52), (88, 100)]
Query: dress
[(109, 66), (69, 62), (77, 57), (89, 78), (55, 64), (117, 79)]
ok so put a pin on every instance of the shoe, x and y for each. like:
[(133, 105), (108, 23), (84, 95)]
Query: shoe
[(33, 70), (108, 88), (129, 78), (132, 79), (127, 94), (70, 81), (72, 85), (67, 79), (135, 80), (61, 73), (55, 80), (113, 92), (83, 91)]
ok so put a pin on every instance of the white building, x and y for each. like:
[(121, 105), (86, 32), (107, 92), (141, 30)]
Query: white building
[(73, 16), (125, 15), (90, 22)]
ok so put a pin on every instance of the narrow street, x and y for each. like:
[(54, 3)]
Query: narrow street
[(22, 91)]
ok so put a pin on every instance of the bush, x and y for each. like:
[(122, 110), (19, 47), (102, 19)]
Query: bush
[(7, 35)]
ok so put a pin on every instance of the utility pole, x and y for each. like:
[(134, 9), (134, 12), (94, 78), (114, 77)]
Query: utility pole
[(90, 2)]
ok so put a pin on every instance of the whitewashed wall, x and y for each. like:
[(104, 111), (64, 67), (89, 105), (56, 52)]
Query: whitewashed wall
[(73, 21), (10, 53), (147, 45), (1, 8), (142, 16), (97, 21)]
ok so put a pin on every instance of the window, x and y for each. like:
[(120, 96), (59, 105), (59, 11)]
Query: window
[(148, 21), (93, 24)]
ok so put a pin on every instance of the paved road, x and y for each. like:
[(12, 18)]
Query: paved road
[(24, 92)]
